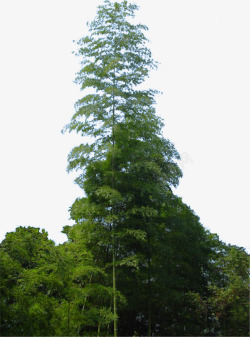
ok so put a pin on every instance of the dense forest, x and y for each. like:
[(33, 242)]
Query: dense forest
[(137, 261)]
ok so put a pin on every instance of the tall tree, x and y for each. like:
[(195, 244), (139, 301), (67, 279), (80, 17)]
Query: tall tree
[(128, 167)]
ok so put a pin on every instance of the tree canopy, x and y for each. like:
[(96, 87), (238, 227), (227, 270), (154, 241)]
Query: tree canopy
[(137, 260)]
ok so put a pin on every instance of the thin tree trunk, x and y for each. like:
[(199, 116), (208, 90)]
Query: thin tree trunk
[(85, 300), (149, 288), (108, 323), (99, 322), (68, 318), (79, 326), (99, 329), (113, 225), (107, 329), (114, 288)]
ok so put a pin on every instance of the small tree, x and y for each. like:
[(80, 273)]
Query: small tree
[(128, 167)]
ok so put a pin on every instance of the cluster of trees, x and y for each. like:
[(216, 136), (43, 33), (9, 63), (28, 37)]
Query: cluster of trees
[(198, 285), (137, 261)]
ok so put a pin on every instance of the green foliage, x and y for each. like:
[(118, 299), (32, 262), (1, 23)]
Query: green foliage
[(224, 306), (199, 285), (48, 290), (229, 296), (129, 218), (128, 168), (28, 285), (136, 252)]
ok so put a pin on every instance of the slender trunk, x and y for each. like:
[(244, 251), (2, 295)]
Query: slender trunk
[(79, 326), (149, 288), (114, 288), (99, 329), (113, 246), (99, 322), (108, 323), (83, 307), (68, 317), (113, 227), (107, 329)]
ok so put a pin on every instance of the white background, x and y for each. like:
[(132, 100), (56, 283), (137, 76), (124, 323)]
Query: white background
[(203, 48)]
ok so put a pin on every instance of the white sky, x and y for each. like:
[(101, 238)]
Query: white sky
[(203, 48)]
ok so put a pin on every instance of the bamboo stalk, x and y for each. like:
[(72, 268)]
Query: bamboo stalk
[(114, 288), (149, 288), (113, 227)]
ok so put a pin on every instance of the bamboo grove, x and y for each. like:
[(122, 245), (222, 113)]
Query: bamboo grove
[(137, 260)]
